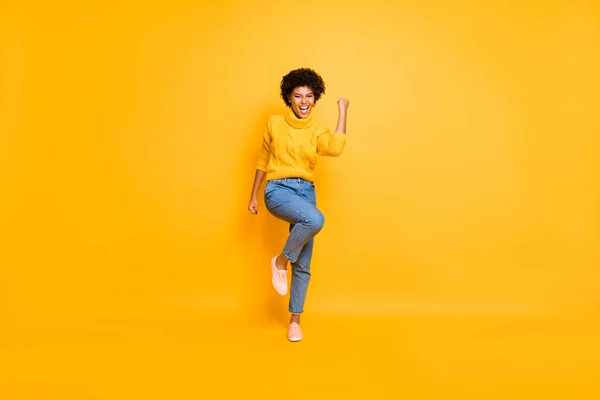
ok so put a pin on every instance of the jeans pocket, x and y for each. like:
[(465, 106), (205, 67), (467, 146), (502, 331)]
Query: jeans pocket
[(269, 188)]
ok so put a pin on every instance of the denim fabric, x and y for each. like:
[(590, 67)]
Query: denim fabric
[(293, 200)]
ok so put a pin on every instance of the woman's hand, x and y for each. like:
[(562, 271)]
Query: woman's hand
[(259, 177), (343, 105), (253, 206)]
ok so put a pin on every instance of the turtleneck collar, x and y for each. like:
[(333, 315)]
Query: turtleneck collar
[(296, 122)]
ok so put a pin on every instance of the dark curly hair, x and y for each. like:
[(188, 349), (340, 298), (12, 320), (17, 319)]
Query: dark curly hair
[(302, 77)]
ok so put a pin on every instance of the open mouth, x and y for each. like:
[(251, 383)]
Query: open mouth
[(303, 108)]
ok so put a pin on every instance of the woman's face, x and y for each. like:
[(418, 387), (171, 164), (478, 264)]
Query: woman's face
[(302, 99)]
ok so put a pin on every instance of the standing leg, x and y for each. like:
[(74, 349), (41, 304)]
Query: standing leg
[(298, 289), (300, 279)]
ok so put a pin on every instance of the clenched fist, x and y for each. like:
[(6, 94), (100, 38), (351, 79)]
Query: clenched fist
[(253, 205), (343, 104)]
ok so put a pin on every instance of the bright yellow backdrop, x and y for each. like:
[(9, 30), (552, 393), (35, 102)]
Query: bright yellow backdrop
[(129, 133)]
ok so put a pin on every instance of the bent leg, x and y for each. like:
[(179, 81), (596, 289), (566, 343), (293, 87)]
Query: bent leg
[(306, 219)]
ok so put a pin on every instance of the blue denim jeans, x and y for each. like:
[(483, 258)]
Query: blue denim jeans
[(293, 200)]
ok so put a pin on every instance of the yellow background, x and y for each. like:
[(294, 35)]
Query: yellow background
[(460, 255)]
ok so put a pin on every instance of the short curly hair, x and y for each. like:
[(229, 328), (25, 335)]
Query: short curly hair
[(301, 77)]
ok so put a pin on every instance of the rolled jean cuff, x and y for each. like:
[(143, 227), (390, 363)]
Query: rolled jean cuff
[(285, 253)]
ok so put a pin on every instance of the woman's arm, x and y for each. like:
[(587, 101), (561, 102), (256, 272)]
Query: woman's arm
[(261, 168), (332, 145), (259, 176), (342, 108)]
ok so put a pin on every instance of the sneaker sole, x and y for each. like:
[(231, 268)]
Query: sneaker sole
[(275, 287)]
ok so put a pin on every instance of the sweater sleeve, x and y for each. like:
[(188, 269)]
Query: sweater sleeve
[(265, 151), (330, 144)]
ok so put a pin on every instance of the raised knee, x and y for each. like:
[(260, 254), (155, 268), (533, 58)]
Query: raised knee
[(316, 221)]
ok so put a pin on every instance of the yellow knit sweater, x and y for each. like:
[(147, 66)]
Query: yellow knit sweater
[(291, 146)]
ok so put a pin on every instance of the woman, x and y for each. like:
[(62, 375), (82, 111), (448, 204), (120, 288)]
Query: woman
[(291, 144)]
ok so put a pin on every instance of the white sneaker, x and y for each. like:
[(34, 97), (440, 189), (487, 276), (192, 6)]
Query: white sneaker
[(279, 278)]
